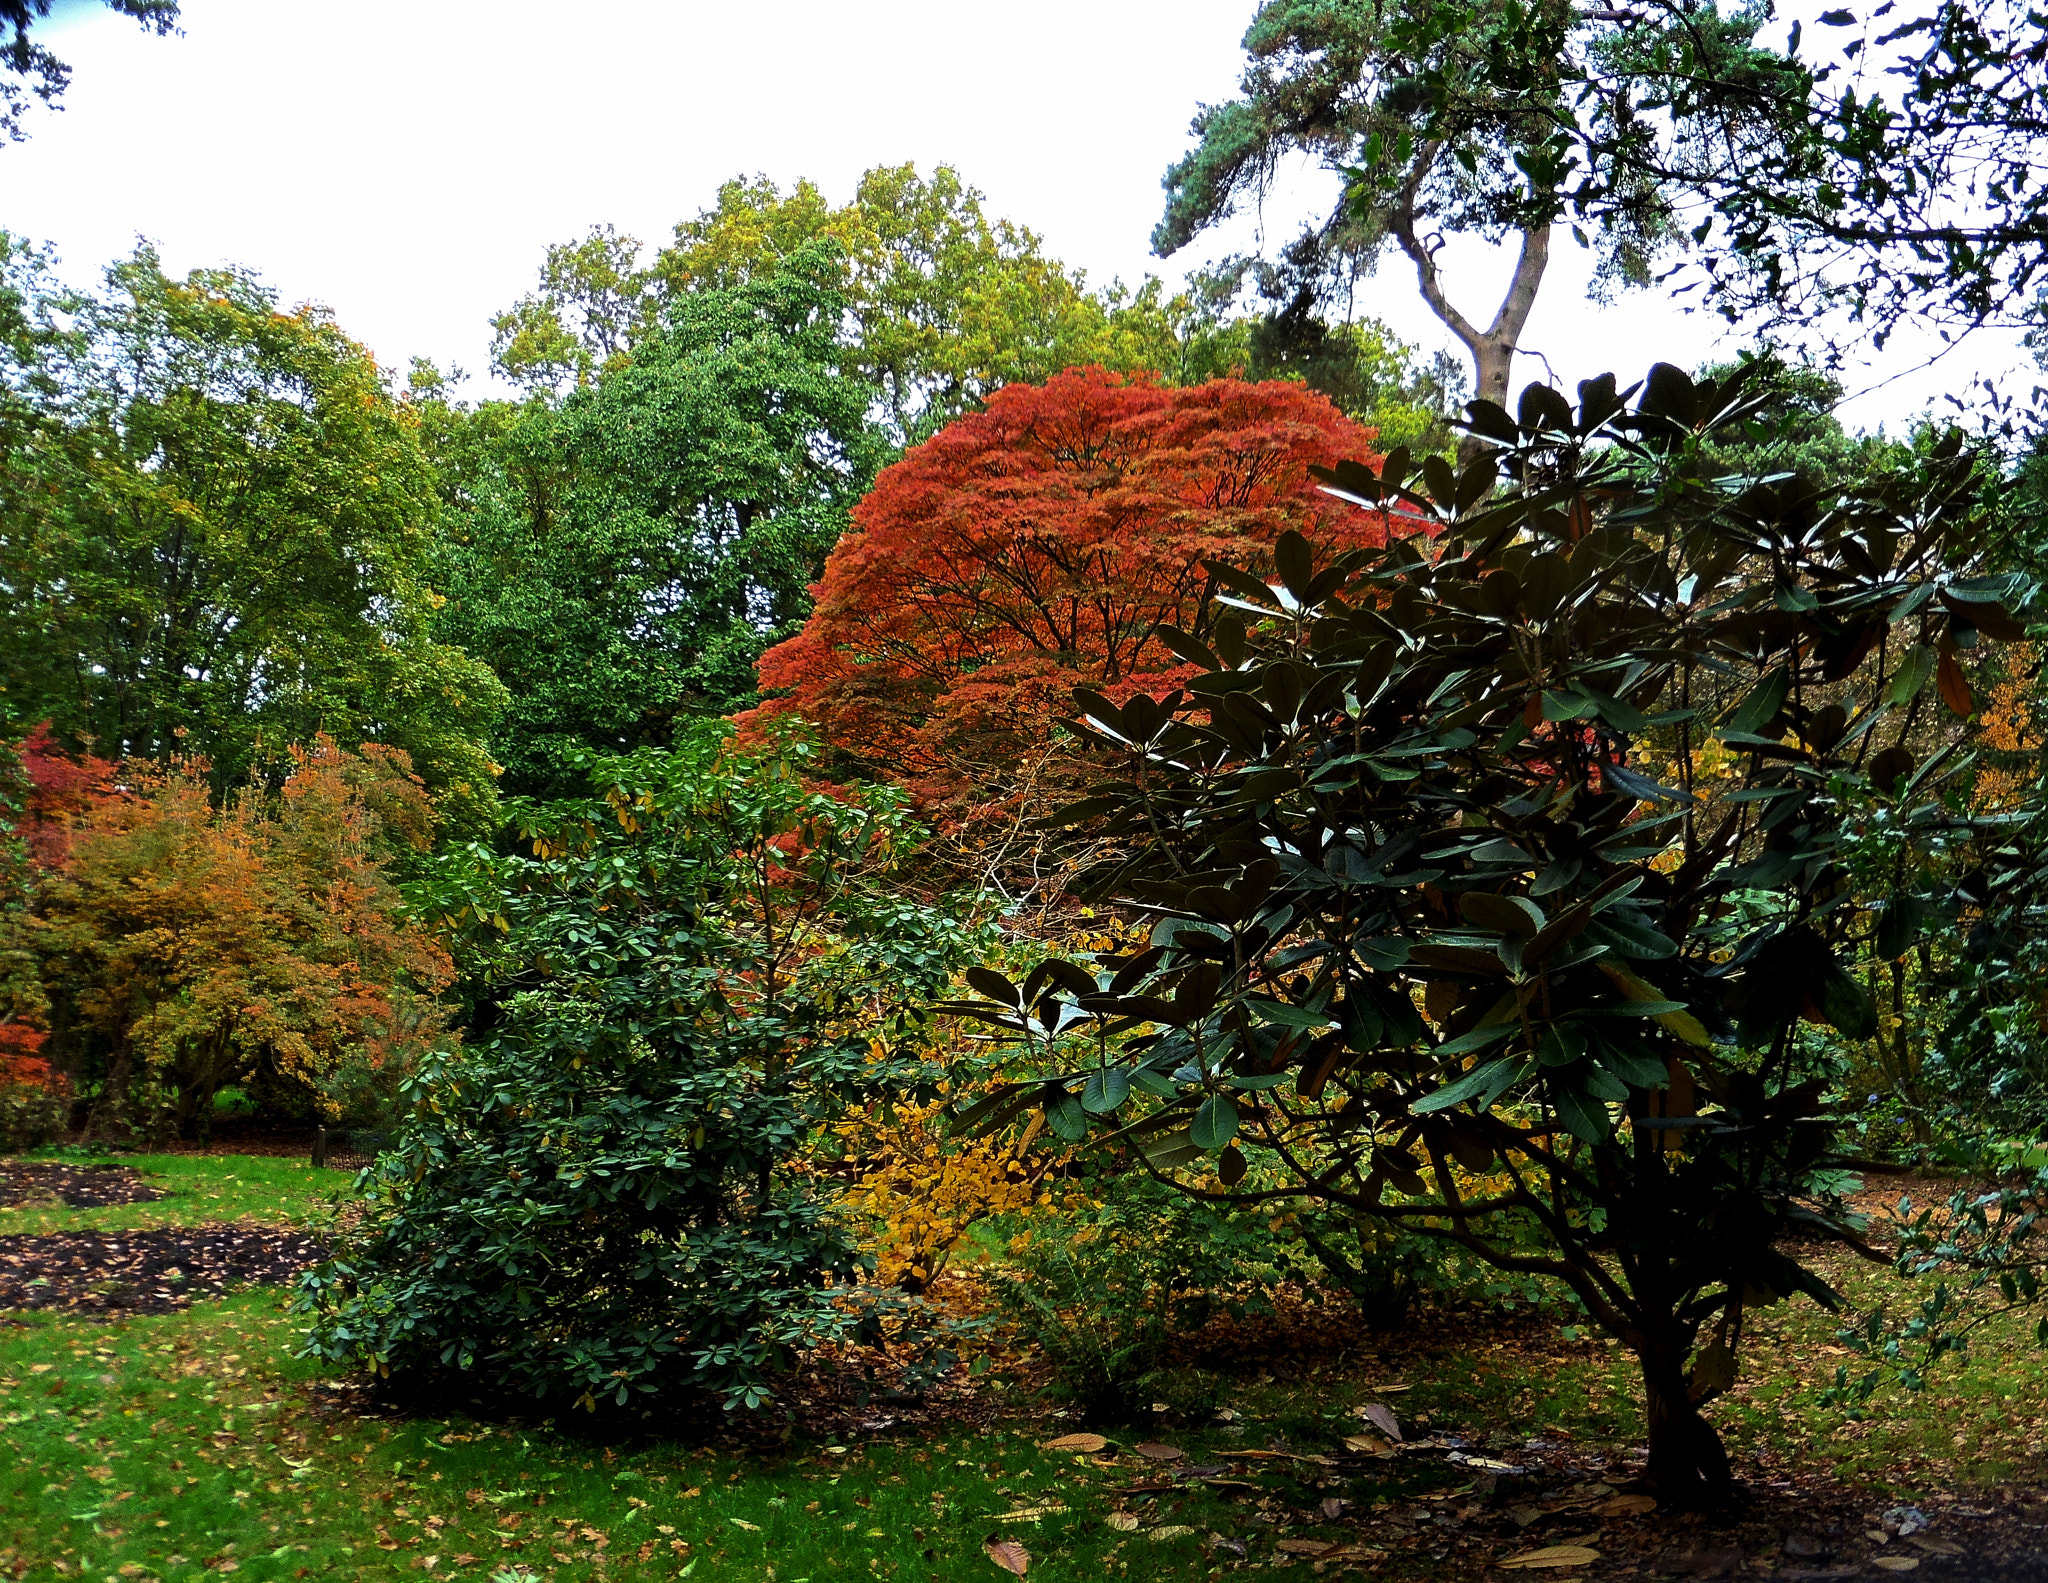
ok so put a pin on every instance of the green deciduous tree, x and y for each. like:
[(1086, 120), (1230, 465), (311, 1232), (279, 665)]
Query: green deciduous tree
[(216, 531), (594, 301), (1454, 929), (694, 973), (629, 554), (946, 303), (942, 302)]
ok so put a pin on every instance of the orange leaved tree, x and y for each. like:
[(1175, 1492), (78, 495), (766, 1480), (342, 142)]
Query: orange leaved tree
[(189, 946), (1040, 544)]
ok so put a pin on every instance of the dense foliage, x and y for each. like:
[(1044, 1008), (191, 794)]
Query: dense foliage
[(634, 549), (1041, 544), (187, 946), (1544, 860), (217, 531), (1453, 925), (692, 974)]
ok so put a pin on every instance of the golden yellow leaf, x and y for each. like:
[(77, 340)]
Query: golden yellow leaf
[(1549, 1556), (1626, 1506), (1075, 1442)]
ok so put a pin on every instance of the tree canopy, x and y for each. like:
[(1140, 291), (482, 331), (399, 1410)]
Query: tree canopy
[(1046, 541), (190, 944), (630, 553), (218, 533), (1451, 118)]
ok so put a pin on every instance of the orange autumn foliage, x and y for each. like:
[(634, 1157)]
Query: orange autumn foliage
[(1039, 545), (2009, 735), (200, 945)]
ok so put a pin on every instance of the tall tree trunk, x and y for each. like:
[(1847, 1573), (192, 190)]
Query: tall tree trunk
[(1688, 1464), (1492, 349), (107, 1121)]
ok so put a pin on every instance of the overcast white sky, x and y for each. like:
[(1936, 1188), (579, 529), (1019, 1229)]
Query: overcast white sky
[(406, 162)]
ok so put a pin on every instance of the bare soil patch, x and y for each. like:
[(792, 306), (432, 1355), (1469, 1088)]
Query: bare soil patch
[(41, 1184), (147, 1272)]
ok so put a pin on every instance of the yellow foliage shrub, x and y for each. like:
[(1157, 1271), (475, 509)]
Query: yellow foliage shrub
[(922, 1192)]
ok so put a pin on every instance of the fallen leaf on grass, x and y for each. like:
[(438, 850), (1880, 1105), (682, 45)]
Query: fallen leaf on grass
[(741, 1522), (1626, 1506), (1382, 1418), (1154, 1451), (1895, 1563), (1123, 1522), (1168, 1531), (1549, 1556), (1078, 1442), (1012, 1557), (1030, 1514), (1369, 1445), (1303, 1547)]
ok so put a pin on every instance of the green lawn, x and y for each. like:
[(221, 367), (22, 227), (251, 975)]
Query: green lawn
[(167, 1447), (160, 1447), (197, 1189)]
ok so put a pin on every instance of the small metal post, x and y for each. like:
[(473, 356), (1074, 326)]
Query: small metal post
[(320, 1146)]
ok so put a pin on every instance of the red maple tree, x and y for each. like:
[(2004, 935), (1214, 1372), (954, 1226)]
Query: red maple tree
[(1041, 544), (60, 789)]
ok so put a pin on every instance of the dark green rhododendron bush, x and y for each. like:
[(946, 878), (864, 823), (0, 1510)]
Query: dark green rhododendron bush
[(689, 976), (1466, 782)]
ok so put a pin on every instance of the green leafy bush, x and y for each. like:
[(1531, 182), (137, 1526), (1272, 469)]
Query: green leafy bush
[(690, 976), (1107, 1290), (31, 1115), (1505, 882)]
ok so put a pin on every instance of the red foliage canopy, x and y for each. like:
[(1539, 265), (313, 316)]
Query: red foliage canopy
[(1039, 545), (60, 789)]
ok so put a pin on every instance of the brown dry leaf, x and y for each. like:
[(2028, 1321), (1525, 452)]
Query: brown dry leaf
[(1012, 1557), (1626, 1506), (1955, 692), (1368, 1445), (1549, 1556), (1895, 1563), (1303, 1547), (1123, 1522), (1153, 1451), (1078, 1442), (1382, 1418)]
